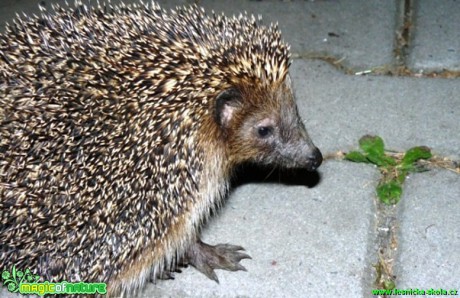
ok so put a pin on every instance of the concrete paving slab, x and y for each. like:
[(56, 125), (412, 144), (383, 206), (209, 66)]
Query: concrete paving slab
[(436, 43), (346, 30), (9, 9), (429, 257), (304, 242), (404, 111)]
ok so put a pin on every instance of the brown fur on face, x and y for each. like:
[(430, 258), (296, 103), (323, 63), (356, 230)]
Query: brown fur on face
[(264, 126)]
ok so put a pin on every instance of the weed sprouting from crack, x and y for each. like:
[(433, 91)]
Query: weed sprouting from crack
[(394, 166), (394, 169)]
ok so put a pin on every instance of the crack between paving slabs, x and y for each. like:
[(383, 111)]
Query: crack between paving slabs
[(387, 222), (402, 41)]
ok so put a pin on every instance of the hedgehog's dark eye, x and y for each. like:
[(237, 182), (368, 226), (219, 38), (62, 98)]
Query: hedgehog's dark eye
[(265, 131)]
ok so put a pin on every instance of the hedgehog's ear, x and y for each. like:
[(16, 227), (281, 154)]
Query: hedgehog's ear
[(226, 104)]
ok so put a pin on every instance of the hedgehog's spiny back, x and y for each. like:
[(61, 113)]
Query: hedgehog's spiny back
[(101, 110), (146, 42)]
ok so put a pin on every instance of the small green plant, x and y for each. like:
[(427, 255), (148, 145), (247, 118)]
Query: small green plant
[(393, 168)]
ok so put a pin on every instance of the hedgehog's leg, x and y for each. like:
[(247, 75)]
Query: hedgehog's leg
[(206, 258)]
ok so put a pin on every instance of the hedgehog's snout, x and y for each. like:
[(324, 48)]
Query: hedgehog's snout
[(299, 154), (314, 159), (306, 156)]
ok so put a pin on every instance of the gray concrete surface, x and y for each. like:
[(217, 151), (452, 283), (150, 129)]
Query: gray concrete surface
[(298, 237), (436, 43), (318, 239), (333, 27), (430, 233)]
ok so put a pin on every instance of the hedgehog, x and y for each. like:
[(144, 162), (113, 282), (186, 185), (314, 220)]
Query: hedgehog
[(120, 131)]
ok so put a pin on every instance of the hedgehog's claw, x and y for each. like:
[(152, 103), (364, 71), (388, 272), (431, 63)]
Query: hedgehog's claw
[(206, 258), (167, 273)]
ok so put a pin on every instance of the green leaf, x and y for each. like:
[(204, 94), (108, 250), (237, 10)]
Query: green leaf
[(381, 160), (416, 153), (389, 192), (376, 159), (389, 160), (372, 145), (356, 157)]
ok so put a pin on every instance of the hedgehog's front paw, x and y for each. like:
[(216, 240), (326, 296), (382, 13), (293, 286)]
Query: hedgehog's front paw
[(206, 258)]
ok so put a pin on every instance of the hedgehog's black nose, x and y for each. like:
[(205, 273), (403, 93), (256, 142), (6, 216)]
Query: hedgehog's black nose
[(315, 158)]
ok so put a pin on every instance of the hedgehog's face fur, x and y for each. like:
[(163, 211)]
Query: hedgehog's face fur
[(262, 125)]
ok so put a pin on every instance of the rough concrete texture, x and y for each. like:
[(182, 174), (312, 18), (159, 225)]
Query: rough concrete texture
[(314, 235), (302, 240), (404, 111), (430, 233), (333, 27), (436, 41)]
